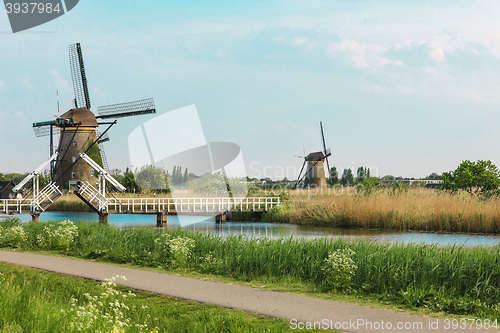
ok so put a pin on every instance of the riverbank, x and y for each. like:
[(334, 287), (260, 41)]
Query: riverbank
[(450, 279), (413, 209)]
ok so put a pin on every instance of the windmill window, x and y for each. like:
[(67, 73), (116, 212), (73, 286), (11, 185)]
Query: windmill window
[(73, 159), (73, 174), (74, 144), (91, 172)]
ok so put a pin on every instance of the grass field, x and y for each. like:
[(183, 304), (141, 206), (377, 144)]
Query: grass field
[(455, 280), (38, 301)]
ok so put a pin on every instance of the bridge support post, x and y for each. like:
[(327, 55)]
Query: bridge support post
[(161, 220), (103, 218), (35, 216), (221, 218)]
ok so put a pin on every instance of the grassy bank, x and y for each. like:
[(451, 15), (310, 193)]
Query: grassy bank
[(414, 209), (411, 209), (38, 301), (454, 280)]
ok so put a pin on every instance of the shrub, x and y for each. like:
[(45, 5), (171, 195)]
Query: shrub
[(13, 236), (338, 270)]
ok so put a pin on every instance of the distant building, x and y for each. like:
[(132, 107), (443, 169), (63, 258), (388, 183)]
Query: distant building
[(6, 190)]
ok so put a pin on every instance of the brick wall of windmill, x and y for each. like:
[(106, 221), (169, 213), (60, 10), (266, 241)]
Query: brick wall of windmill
[(315, 174), (71, 147)]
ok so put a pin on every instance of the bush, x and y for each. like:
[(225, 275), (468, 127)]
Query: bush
[(13, 236), (338, 270)]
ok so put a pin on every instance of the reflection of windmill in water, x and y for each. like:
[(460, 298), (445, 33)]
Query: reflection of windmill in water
[(315, 172), (78, 128)]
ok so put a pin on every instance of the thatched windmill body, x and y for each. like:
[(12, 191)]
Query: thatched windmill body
[(314, 175), (77, 129)]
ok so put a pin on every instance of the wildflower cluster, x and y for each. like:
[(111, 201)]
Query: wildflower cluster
[(58, 236), (339, 269), (180, 248), (103, 312), (210, 264), (13, 236)]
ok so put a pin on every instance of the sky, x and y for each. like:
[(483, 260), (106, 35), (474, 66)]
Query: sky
[(406, 88)]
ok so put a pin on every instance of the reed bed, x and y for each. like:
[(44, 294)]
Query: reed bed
[(415, 209), (451, 279)]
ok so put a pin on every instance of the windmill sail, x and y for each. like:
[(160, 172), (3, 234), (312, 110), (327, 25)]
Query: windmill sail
[(44, 130), (82, 99), (143, 106)]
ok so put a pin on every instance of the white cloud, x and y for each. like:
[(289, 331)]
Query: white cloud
[(61, 83), (438, 55), (2, 84), (376, 88), (363, 55)]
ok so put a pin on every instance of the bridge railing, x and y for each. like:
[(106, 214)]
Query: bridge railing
[(192, 204), (19, 206)]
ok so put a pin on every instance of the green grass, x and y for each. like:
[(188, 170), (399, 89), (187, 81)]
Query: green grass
[(453, 280), (38, 301)]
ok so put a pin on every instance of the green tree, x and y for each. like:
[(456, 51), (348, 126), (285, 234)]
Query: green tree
[(347, 177), (481, 177), (151, 177), (128, 181), (362, 173), (433, 176), (186, 175), (334, 175)]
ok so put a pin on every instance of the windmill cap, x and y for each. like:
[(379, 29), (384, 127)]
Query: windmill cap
[(83, 116), (317, 156)]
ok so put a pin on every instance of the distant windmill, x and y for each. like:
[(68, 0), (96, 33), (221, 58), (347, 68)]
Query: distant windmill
[(315, 173), (78, 128)]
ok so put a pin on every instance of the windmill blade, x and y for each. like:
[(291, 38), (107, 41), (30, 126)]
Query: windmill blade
[(103, 155), (44, 130), (136, 108), (298, 178), (82, 99), (103, 138), (325, 151)]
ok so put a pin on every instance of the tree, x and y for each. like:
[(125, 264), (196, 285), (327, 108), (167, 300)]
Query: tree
[(128, 181), (151, 177), (116, 174), (481, 177), (362, 173), (433, 176), (334, 175), (347, 177), (186, 175)]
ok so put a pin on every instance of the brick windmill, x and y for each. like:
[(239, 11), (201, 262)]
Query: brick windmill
[(77, 129), (315, 172)]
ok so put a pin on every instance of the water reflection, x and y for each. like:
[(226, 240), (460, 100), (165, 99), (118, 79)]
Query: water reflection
[(272, 230)]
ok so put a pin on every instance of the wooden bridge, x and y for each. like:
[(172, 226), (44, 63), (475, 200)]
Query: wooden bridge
[(161, 207), (96, 199)]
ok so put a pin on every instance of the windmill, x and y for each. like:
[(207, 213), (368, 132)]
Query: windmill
[(315, 173), (77, 128)]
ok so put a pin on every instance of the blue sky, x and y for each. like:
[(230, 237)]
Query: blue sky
[(407, 88)]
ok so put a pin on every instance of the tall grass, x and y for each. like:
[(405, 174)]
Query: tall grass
[(453, 279), (415, 209)]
